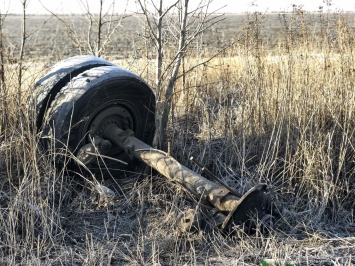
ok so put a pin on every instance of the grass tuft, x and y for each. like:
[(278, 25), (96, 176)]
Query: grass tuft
[(278, 110)]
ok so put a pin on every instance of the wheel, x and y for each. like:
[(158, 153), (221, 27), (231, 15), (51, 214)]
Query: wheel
[(94, 99), (48, 86)]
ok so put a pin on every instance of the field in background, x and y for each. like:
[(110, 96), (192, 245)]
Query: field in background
[(50, 39), (276, 106)]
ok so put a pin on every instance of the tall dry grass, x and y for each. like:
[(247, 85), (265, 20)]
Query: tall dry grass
[(282, 114)]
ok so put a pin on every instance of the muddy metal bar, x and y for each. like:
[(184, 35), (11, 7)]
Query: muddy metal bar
[(209, 191), (237, 210), (255, 200)]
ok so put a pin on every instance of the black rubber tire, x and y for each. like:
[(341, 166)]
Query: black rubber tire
[(60, 74), (69, 114)]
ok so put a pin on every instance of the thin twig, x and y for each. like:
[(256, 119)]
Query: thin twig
[(215, 178), (106, 157)]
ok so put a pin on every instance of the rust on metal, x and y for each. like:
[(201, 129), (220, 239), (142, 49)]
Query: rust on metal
[(87, 154), (209, 191), (226, 207)]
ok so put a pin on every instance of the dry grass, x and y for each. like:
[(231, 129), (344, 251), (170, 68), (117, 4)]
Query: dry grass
[(283, 115)]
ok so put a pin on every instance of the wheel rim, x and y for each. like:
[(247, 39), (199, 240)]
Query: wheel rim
[(120, 112)]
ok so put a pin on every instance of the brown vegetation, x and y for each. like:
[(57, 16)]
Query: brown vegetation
[(277, 106)]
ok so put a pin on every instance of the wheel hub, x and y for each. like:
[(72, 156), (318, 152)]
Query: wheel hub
[(111, 113), (116, 112)]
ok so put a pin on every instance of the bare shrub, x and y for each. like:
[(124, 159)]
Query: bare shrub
[(280, 113)]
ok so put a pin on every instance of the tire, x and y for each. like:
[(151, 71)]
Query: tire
[(93, 98), (49, 85)]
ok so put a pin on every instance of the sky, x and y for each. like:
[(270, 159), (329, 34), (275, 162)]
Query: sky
[(229, 6)]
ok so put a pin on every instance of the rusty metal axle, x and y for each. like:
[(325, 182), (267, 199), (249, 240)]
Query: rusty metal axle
[(233, 208)]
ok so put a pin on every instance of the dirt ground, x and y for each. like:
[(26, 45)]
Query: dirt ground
[(50, 217)]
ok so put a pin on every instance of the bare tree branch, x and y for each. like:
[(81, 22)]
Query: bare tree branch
[(24, 4), (162, 119), (178, 29), (101, 28), (2, 56), (205, 61), (146, 14)]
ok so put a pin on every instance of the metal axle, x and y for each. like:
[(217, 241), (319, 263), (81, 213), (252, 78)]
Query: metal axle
[(232, 210)]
